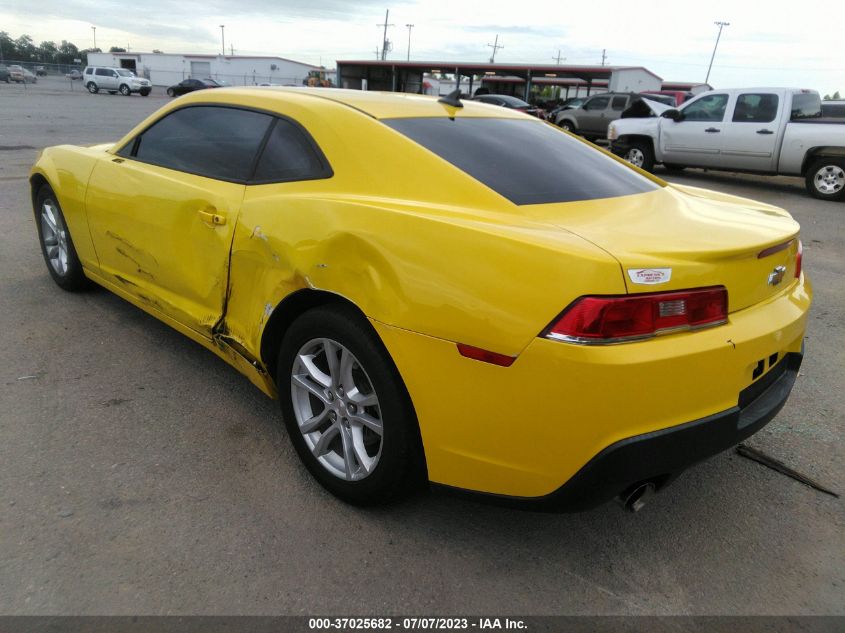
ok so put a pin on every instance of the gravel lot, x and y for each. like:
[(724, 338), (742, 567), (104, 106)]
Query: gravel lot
[(139, 474)]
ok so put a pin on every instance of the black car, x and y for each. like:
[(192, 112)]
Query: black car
[(514, 103), (189, 85)]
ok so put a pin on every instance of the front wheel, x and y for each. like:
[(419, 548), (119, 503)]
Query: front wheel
[(125, 90), (346, 409), (568, 126), (640, 155), (825, 179), (92, 88), (56, 244), (171, 92)]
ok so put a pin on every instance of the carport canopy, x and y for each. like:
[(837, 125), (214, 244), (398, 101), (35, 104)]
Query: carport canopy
[(406, 76)]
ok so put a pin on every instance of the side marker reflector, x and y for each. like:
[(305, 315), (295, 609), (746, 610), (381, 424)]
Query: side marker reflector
[(476, 353)]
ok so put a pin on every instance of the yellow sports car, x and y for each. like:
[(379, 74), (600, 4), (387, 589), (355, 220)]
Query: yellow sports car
[(441, 291)]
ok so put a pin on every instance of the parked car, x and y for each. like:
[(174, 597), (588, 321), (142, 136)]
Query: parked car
[(568, 104), (21, 75), (580, 331), (514, 103), (114, 80), (74, 74), (190, 85), (592, 117), (40, 71), (4, 73), (833, 109), (760, 130)]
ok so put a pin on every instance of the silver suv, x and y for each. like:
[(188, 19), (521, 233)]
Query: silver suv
[(114, 80)]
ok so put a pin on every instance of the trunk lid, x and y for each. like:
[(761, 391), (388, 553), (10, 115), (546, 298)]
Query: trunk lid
[(684, 237)]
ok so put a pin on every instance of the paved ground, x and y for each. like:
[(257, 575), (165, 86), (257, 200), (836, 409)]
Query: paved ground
[(140, 474)]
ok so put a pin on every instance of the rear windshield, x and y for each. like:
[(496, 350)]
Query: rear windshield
[(527, 162), (806, 106)]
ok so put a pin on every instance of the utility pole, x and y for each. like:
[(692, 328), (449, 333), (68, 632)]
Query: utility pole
[(223, 38), (713, 56), (378, 54), (232, 50), (558, 59), (495, 46), (94, 28), (409, 26), (603, 56), (385, 44)]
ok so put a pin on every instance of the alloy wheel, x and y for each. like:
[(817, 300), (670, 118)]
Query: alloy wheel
[(55, 238), (635, 156), (830, 179), (336, 409)]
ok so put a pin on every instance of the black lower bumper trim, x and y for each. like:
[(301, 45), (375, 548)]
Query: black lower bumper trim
[(660, 456)]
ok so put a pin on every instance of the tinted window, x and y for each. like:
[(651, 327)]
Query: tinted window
[(527, 162), (618, 103), (514, 102), (709, 108), (290, 155), (756, 108), (836, 110), (806, 106), (209, 141), (599, 103), (88, 71), (104, 72)]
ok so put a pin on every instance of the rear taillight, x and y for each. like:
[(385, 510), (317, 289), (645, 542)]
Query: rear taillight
[(600, 320), (799, 257)]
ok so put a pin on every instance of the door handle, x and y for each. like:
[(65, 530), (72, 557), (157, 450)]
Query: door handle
[(712, 129), (764, 132), (213, 219)]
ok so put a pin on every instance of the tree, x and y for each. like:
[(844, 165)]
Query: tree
[(47, 51), (7, 46), (25, 50), (117, 49)]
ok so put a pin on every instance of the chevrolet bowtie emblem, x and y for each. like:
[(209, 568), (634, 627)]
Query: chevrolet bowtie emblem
[(776, 276)]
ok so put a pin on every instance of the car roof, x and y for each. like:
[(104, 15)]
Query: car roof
[(380, 105)]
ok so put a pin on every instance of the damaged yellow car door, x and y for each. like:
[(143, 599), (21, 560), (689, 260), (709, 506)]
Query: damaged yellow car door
[(162, 220)]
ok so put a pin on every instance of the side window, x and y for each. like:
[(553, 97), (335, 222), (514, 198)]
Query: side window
[(290, 155), (709, 108), (211, 141), (755, 108), (89, 71), (618, 103), (103, 72), (597, 103)]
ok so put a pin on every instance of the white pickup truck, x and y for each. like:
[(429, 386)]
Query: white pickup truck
[(758, 130)]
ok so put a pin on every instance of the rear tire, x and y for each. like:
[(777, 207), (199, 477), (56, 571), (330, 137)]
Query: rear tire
[(92, 88), (145, 93), (125, 90), (170, 92), (825, 179), (364, 448), (641, 155), (56, 243)]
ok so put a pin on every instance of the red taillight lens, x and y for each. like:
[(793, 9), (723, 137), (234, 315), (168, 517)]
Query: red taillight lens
[(476, 353), (617, 319), (799, 257)]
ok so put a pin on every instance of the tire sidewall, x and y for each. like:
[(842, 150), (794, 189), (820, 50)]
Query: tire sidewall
[(92, 87), (648, 155), (399, 467), (125, 90)]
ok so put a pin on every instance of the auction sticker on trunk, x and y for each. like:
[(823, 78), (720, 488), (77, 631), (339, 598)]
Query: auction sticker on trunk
[(650, 276)]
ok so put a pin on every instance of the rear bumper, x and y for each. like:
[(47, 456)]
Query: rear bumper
[(556, 425), (661, 456)]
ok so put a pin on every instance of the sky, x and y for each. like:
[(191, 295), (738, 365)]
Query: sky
[(776, 45)]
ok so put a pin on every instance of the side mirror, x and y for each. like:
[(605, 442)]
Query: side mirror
[(675, 115)]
